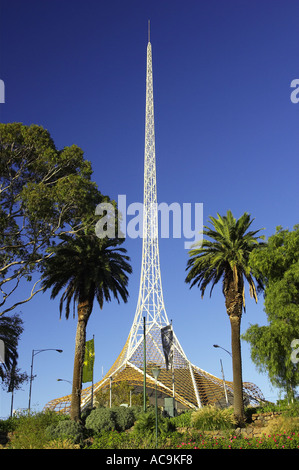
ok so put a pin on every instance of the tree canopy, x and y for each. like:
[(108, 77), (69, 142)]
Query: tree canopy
[(224, 256), (271, 345), (44, 192)]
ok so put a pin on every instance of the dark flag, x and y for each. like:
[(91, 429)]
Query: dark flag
[(167, 343)]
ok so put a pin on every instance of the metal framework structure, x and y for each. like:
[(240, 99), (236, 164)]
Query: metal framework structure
[(190, 386)]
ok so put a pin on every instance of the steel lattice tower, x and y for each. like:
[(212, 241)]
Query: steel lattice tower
[(150, 301), (191, 386)]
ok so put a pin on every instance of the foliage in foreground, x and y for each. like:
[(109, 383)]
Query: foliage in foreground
[(29, 430), (275, 441), (123, 441), (107, 419), (211, 418), (49, 430), (66, 430)]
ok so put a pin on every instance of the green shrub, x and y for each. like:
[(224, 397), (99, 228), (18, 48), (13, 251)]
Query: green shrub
[(67, 429), (115, 440), (136, 410), (122, 440), (146, 425), (282, 406), (183, 420), (293, 410), (124, 418), (166, 427), (210, 418), (110, 440), (102, 420), (29, 429), (276, 441), (62, 444), (7, 425)]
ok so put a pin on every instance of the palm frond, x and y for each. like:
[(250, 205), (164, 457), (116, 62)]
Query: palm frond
[(87, 268), (224, 254)]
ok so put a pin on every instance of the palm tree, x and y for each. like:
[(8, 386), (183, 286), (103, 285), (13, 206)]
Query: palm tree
[(225, 256), (11, 329), (85, 268)]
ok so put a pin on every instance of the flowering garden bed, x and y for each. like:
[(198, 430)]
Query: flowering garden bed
[(275, 441), (207, 429)]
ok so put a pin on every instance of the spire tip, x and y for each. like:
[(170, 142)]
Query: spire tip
[(149, 31)]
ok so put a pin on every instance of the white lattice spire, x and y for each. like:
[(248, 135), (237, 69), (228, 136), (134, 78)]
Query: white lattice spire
[(150, 301), (188, 384)]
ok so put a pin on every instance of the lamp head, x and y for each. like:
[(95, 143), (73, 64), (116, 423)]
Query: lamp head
[(156, 372)]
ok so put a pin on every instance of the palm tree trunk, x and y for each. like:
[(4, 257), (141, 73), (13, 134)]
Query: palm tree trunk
[(234, 305), (83, 316), (235, 321)]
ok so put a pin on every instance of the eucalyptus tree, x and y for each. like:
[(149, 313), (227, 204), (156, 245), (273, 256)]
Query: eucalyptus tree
[(274, 347), (44, 192)]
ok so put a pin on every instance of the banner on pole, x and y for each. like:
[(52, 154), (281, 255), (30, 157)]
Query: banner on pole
[(88, 361), (167, 343)]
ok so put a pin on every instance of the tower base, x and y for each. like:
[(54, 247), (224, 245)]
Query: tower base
[(189, 386)]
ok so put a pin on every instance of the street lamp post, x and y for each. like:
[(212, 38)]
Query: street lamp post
[(217, 346), (156, 373), (224, 384), (64, 380), (34, 353)]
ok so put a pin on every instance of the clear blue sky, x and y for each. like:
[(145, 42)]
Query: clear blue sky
[(226, 136)]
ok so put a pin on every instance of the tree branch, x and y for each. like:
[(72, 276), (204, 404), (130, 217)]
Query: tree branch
[(32, 294)]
